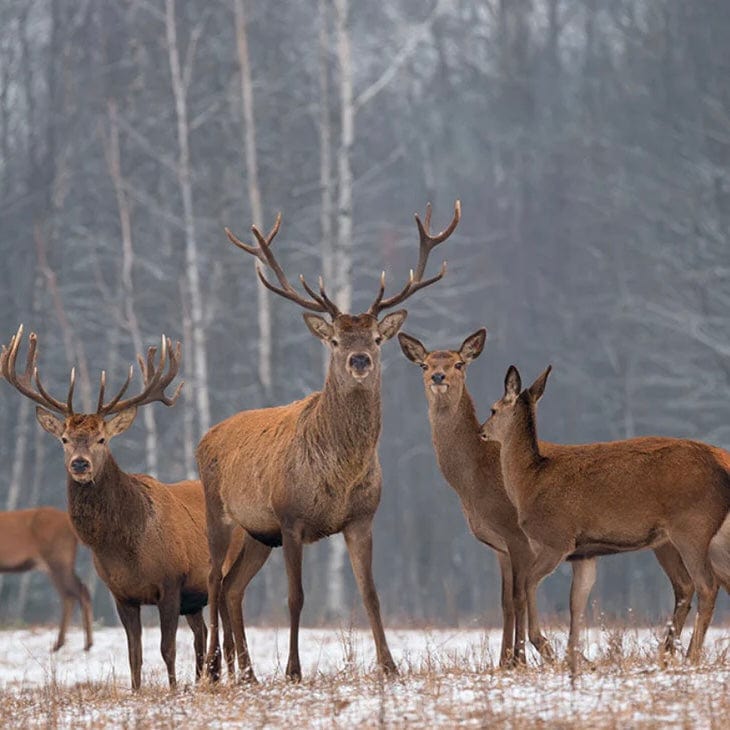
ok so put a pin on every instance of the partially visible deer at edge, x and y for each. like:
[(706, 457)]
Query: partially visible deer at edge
[(604, 498), (472, 468), (41, 538), (294, 474), (148, 539)]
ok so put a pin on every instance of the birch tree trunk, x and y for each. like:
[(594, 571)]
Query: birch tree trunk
[(342, 268), (187, 403), (325, 158), (127, 283), (180, 81), (263, 298)]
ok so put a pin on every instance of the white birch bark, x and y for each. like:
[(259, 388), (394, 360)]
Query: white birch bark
[(127, 282), (342, 269), (180, 81), (263, 298)]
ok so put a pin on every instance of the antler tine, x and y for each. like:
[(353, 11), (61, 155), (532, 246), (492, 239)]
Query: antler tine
[(155, 379), (415, 281), (322, 298), (24, 383), (428, 241), (317, 303)]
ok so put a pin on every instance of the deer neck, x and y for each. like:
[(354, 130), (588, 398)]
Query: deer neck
[(344, 427), (520, 457), (109, 513), (463, 458)]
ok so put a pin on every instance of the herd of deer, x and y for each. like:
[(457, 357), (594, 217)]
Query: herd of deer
[(290, 475)]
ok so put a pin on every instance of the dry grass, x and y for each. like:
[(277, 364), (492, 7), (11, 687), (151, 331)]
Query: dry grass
[(439, 686)]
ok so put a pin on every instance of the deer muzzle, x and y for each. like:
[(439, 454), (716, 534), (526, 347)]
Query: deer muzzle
[(360, 365)]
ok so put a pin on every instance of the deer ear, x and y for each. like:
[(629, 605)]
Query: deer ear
[(121, 422), (538, 387), (50, 423), (318, 327), (412, 348), (391, 323), (473, 345), (512, 383)]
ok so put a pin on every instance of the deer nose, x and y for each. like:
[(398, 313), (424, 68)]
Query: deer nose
[(438, 378), (360, 361), (79, 465)]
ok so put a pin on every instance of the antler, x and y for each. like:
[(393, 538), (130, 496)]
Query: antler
[(24, 382), (317, 303), (415, 281), (154, 379)]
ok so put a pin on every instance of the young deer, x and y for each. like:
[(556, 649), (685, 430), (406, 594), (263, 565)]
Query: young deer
[(294, 474), (472, 468), (603, 498), (148, 539), (41, 538)]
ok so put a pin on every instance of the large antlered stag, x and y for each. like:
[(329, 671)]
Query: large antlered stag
[(603, 498), (148, 539), (41, 538), (472, 468), (297, 473)]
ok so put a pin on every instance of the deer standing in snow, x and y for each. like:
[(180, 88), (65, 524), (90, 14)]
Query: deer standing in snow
[(472, 468), (293, 474), (41, 538), (148, 539), (603, 498)]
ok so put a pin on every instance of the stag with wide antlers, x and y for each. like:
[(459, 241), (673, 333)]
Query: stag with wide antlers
[(472, 468), (293, 474), (148, 539), (597, 499)]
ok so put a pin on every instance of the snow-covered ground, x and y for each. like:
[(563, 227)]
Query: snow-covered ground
[(447, 678)]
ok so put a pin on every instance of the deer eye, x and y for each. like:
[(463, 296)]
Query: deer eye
[(424, 366), (459, 365), (334, 342), (64, 440), (494, 411), (378, 340), (102, 440)]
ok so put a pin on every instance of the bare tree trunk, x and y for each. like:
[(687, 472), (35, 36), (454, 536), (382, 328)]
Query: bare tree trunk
[(180, 82), (342, 256), (263, 300), (187, 403), (325, 157), (127, 283)]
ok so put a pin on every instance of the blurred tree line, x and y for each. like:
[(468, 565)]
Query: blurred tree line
[(589, 144)]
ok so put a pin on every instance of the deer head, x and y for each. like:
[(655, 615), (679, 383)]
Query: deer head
[(85, 436), (354, 340), (516, 409), (444, 371)]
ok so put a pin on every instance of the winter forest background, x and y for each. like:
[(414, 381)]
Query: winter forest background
[(588, 141)]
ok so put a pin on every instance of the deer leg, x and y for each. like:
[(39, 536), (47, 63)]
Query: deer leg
[(537, 638), (694, 556), (200, 634), (293, 548), (87, 613), (522, 559), (61, 583), (506, 654), (219, 537), (359, 540), (249, 561), (229, 647), (129, 616), (584, 577), (671, 562), (169, 608)]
